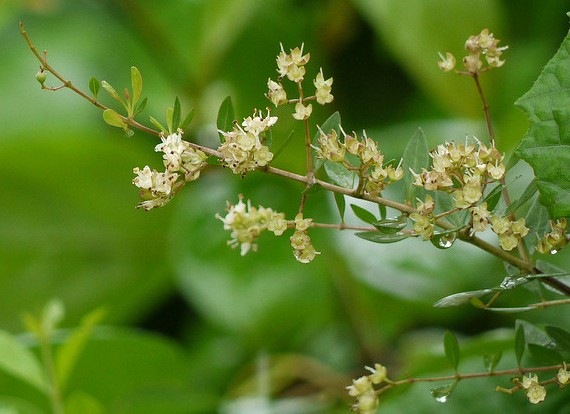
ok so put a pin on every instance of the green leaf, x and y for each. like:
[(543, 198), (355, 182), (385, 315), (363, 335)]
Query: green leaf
[(529, 191), (111, 117), (378, 237), (461, 298), (546, 145), (451, 348), (187, 120), (82, 403), (560, 336), (157, 124), (391, 225), (140, 107), (520, 344), (52, 315), (340, 175), (94, 86), (20, 362), (493, 197), (416, 157), (176, 115), (332, 122), (169, 119), (226, 116), (340, 205), (544, 355), (137, 84), (491, 361), (69, 352), (547, 268), (111, 91), (538, 223), (363, 214)]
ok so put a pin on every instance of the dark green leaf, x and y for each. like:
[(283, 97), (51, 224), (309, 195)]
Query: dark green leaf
[(546, 144), (493, 197), (520, 344), (94, 86), (340, 205), (332, 122), (363, 214), (140, 107), (560, 336), (451, 348), (491, 361), (461, 298), (187, 120), (340, 175), (416, 157), (538, 223), (544, 355), (176, 115), (382, 210), (529, 191), (391, 225), (378, 237), (226, 116)]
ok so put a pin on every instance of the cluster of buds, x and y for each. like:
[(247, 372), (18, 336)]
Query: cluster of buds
[(363, 390), (509, 231), (555, 240), (373, 174), (484, 44), (243, 149), (423, 219), (534, 391), (246, 223), (301, 242), (180, 161), (292, 66), (462, 170)]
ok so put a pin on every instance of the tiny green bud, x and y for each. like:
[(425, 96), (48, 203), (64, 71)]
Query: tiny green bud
[(41, 76)]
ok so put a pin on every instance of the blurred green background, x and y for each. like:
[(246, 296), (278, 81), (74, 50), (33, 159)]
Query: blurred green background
[(192, 327)]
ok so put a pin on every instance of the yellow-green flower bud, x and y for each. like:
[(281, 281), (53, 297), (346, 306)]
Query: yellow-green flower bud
[(41, 77)]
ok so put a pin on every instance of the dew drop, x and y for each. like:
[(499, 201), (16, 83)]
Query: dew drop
[(508, 283), (441, 399), (553, 251), (446, 241)]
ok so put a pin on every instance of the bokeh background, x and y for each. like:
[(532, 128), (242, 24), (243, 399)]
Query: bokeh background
[(191, 326)]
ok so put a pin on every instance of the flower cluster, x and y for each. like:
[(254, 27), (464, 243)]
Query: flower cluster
[(373, 174), (363, 390), (462, 170), (292, 66), (180, 161), (534, 391), (509, 231), (555, 240), (484, 44), (246, 223), (423, 220), (563, 376), (243, 149), (301, 242)]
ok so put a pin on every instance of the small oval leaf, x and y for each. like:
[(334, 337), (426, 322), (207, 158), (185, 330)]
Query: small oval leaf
[(136, 82), (226, 116), (391, 225), (451, 348), (460, 298), (378, 237), (520, 343), (112, 118), (363, 214), (94, 86)]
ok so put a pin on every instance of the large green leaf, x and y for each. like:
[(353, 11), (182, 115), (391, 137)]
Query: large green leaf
[(546, 145)]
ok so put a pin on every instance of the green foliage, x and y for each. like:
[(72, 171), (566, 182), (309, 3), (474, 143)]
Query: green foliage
[(545, 146), (451, 348), (416, 157), (226, 116)]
